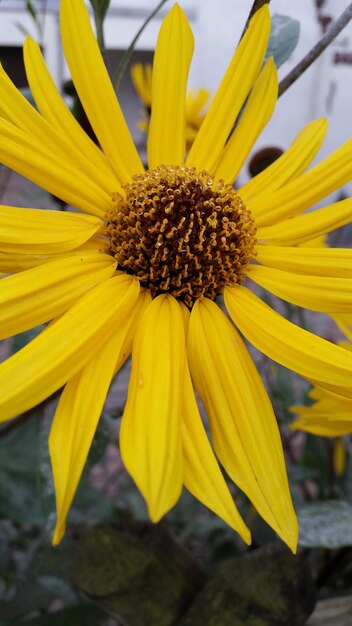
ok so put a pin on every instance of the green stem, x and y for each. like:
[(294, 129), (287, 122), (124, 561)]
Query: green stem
[(121, 68), (99, 26)]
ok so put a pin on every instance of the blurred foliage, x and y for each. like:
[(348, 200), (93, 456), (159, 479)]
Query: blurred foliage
[(284, 38)]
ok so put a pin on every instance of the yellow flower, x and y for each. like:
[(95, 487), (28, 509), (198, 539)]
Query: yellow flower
[(330, 415), (196, 99), (138, 267)]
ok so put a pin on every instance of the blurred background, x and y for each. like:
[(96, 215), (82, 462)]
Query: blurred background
[(217, 27)]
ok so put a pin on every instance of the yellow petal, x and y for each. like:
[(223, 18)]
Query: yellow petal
[(172, 58), (29, 157), (314, 261), (243, 426), (141, 76), (36, 231), (202, 474), (256, 115), (299, 229), (37, 295), (78, 413), (150, 436), (291, 164), (344, 322), (301, 193), (231, 94), (63, 348), (53, 108), (130, 327), (339, 456), (196, 100), (330, 416), (326, 294), (17, 110), (95, 90), (323, 428), (11, 263), (320, 361)]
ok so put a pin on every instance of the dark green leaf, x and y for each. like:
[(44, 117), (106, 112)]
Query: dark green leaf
[(19, 499), (325, 524), (31, 596), (73, 616)]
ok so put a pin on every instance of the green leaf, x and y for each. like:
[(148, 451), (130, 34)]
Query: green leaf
[(30, 596), (31, 10), (18, 476), (72, 616), (325, 524), (283, 38)]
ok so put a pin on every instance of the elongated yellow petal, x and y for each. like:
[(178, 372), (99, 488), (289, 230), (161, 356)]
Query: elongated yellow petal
[(330, 416), (172, 58), (256, 115), (150, 436), (37, 295), (301, 193), (231, 94), (37, 231), (202, 474), (63, 348), (16, 262), (291, 164), (344, 322), (95, 90), (78, 413), (141, 75), (314, 261), (54, 109), (196, 100), (320, 361), (243, 425), (130, 327), (323, 427), (326, 294), (302, 228), (17, 110), (29, 157)]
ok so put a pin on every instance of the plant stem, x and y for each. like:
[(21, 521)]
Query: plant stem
[(99, 21), (128, 53), (313, 54)]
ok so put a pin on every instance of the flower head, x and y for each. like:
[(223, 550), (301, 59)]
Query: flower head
[(139, 267)]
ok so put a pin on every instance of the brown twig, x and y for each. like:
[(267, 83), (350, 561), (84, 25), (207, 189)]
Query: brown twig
[(316, 51)]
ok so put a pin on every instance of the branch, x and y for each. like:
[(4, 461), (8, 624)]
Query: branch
[(316, 51)]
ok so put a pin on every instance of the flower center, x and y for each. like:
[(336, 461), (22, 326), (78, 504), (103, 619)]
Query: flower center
[(181, 232)]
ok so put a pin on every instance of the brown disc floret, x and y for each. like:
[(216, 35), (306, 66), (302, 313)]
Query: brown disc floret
[(179, 231)]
